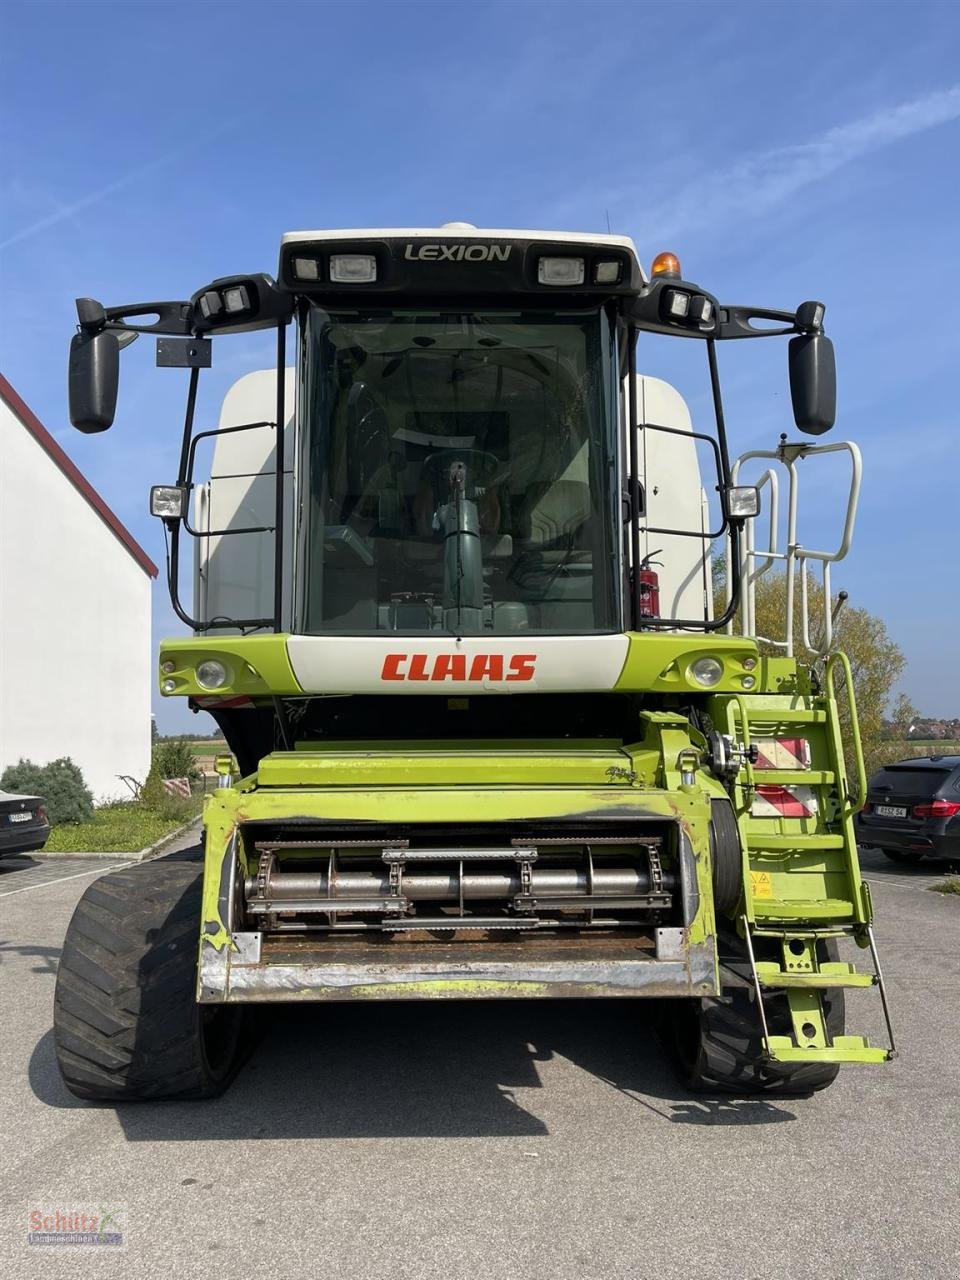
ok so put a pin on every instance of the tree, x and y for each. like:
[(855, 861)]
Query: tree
[(877, 661), (902, 719)]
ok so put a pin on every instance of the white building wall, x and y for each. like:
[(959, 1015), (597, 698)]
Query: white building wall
[(75, 656)]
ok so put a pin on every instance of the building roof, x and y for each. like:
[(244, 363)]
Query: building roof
[(79, 481)]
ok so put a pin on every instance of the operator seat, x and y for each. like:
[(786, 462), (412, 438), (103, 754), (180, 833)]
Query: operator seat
[(554, 514)]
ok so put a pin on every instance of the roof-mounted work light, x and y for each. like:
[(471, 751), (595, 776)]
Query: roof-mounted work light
[(561, 271)]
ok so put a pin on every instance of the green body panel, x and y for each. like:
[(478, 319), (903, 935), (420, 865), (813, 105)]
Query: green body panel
[(660, 661), (656, 662), (463, 785), (443, 764), (258, 664), (252, 801)]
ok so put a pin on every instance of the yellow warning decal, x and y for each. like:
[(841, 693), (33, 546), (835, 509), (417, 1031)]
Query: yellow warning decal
[(761, 884)]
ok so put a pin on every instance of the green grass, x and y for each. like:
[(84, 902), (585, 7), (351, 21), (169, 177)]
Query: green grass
[(952, 885), (122, 828)]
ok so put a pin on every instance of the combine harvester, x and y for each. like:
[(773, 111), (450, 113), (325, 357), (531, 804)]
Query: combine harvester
[(452, 609)]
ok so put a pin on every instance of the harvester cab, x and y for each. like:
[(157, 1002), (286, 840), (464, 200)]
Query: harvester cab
[(473, 604)]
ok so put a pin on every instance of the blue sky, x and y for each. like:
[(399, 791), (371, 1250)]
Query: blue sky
[(783, 151)]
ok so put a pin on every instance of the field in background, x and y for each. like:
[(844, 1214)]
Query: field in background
[(206, 751)]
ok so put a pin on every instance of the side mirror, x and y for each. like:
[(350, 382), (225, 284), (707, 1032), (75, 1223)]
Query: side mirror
[(93, 379), (813, 383)]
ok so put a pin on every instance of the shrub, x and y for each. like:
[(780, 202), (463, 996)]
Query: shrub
[(175, 759), (152, 792), (66, 796)]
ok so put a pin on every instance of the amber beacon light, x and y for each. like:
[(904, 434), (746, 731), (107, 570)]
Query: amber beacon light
[(666, 264)]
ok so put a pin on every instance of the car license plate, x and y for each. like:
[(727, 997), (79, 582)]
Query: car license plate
[(20, 817), (891, 811)]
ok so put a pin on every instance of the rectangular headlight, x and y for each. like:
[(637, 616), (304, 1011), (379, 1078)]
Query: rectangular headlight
[(168, 501), (701, 309), (353, 268), (306, 268), (236, 299), (606, 273), (210, 304), (743, 501), (675, 304), (560, 271)]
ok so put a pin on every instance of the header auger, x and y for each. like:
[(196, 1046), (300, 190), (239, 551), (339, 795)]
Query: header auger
[(453, 610)]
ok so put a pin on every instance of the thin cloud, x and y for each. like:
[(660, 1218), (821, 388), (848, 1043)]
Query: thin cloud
[(64, 212), (760, 182)]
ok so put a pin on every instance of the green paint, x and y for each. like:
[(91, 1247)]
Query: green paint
[(259, 665), (424, 764), (447, 988), (661, 661)]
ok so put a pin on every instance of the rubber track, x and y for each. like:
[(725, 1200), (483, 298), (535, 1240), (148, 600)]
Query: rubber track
[(730, 1041), (126, 1021)]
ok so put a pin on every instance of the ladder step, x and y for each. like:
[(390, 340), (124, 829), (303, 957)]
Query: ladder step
[(804, 989), (782, 715), (793, 777), (775, 842), (831, 975), (843, 1049), (796, 909)]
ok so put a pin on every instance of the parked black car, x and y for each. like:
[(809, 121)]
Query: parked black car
[(913, 809), (23, 823)]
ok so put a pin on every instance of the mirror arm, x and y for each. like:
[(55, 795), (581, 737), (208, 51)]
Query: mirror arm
[(737, 322), (172, 317)]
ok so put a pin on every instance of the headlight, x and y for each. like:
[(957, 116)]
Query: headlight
[(353, 268), (168, 501), (560, 271), (212, 674), (306, 268), (743, 501), (606, 272), (707, 671)]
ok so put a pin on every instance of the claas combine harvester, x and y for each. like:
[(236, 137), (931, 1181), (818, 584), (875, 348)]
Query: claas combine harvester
[(453, 609)]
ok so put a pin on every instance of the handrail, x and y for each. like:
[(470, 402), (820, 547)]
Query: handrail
[(839, 658), (795, 556)]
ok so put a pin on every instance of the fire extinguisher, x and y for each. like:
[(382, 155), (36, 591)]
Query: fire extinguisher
[(648, 587)]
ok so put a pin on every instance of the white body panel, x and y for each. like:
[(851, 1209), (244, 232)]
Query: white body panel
[(670, 474), (409, 664), (460, 231), (234, 574), (76, 671)]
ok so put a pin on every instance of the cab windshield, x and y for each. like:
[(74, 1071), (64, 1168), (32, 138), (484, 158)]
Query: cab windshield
[(460, 473)]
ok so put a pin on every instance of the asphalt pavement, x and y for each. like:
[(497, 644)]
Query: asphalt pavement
[(541, 1140)]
